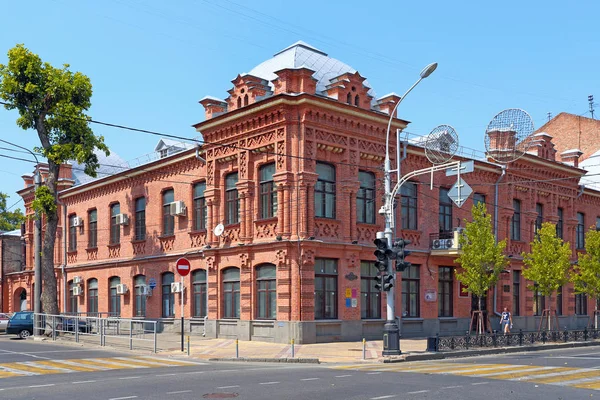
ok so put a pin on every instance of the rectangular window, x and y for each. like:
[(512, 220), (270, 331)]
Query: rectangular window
[(409, 205), (268, 194), (325, 191), (114, 303), (326, 287), (559, 301), (168, 197), (72, 301), (365, 198), (140, 298), (199, 292), (115, 229), (478, 198), (168, 297), (445, 211), (93, 229), (411, 284), (581, 304), (232, 201), (266, 288), (72, 233), (516, 292), (559, 224), (539, 301), (515, 231), (200, 214), (370, 298), (580, 240), (231, 293), (445, 290), (92, 300), (539, 209), (140, 218)]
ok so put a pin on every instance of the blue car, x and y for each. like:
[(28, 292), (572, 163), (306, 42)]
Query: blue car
[(21, 324)]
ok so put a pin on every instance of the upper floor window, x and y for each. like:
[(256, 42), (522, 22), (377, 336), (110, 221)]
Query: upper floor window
[(478, 198), (559, 223), (115, 229), (515, 231), (232, 201), (140, 218), (349, 98), (409, 205), (268, 195), (539, 209), (598, 223), (168, 196), (266, 288), (200, 214), (72, 233), (580, 239), (445, 208), (365, 198), (325, 191), (92, 229)]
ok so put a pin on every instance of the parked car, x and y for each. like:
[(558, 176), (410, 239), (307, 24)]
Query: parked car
[(21, 324), (68, 324), (4, 317)]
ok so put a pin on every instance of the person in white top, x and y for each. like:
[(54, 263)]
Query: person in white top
[(506, 321)]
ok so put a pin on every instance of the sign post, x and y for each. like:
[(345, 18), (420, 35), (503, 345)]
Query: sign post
[(183, 268)]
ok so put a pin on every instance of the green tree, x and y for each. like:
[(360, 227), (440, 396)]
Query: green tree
[(586, 276), (548, 263), (52, 101), (482, 259), (9, 220)]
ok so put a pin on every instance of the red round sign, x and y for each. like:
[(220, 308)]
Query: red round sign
[(183, 266)]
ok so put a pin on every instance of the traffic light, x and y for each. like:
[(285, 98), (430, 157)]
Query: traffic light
[(381, 254), (401, 253), (384, 282)]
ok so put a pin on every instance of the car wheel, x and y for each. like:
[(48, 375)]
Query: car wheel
[(24, 334)]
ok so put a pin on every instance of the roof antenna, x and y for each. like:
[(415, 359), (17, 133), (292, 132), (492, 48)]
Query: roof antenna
[(549, 116), (591, 101)]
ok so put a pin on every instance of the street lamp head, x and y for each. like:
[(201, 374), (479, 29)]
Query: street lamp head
[(428, 70)]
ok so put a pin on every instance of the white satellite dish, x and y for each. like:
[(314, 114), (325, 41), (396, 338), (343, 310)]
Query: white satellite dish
[(219, 229)]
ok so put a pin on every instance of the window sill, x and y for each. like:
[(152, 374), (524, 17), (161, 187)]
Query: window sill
[(92, 248), (265, 220), (366, 223), (114, 245), (167, 237), (332, 321), (72, 252), (417, 319), (197, 232), (135, 241), (231, 226), (447, 319)]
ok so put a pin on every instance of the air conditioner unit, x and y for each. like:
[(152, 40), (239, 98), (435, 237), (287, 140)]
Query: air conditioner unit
[(121, 288), (177, 208), (77, 221), (145, 290), (77, 291), (437, 243), (77, 279), (122, 219), (176, 287), (449, 243)]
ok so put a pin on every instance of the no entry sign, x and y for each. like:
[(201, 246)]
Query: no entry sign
[(183, 266)]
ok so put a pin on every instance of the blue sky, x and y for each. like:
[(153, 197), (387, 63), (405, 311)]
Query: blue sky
[(151, 61)]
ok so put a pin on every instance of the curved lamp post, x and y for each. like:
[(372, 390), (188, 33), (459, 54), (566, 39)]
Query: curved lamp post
[(391, 332)]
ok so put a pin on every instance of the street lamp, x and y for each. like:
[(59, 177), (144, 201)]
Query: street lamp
[(391, 333)]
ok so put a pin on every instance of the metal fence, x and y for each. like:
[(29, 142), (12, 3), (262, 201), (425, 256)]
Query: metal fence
[(468, 341), (105, 331)]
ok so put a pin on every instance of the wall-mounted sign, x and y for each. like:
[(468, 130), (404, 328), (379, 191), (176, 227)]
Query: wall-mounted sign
[(351, 276), (462, 293), (430, 295)]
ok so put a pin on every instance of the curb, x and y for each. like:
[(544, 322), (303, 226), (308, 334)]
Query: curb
[(485, 352), (273, 360)]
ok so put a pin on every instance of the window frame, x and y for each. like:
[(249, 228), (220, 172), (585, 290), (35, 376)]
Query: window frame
[(539, 302), (232, 199), (580, 231), (267, 192), (72, 303), (409, 205), (269, 291), (515, 226), (168, 220), (93, 229), (325, 276), (231, 291), (560, 223), (167, 298), (115, 229), (200, 214), (516, 292), (539, 219), (581, 306), (446, 292), (325, 191), (365, 198), (114, 299), (92, 296), (370, 299), (445, 211), (140, 301), (478, 198), (140, 218), (408, 293), (199, 306), (72, 233)]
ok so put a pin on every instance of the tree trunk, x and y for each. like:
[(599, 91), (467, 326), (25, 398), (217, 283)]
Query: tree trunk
[(49, 288)]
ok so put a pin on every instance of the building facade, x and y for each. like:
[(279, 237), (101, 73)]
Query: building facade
[(291, 167)]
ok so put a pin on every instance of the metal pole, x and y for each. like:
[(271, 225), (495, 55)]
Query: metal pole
[(130, 334), (182, 321), (364, 349), (188, 345), (76, 328), (293, 350), (155, 324), (237, 349)]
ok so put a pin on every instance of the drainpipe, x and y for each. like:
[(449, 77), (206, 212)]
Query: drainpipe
[(496, 195), (63, 267)]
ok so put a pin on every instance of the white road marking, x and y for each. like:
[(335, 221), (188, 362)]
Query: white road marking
[(479, 383), (418, 391), (74, 363), (166, 375), (123, 398), (576, 358), (23, 354), (228, 387), (42, 366), (118, 362), (452, 387), (310, 379), (383, 397), (179, 391), (343, 376), (373, 373), (268, 383), (78, 382), (130, 377), (39, 386), (174, 359)]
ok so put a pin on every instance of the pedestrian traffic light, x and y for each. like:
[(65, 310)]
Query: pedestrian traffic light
[(381, 253), (401, 253), (384, 282)]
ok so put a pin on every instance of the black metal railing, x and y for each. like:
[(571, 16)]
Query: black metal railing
[(468, 341)]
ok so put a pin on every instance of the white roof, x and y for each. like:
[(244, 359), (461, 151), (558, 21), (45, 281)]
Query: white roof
[(592, 165), (109, 165), (165, 143), (299, 55)]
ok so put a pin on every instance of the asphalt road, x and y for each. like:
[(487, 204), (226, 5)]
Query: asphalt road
[(489, 376)]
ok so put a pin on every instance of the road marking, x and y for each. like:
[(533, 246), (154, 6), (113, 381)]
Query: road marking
[(479, 383), (166, 375), (39, 386), (452, 387), (374, 373), (24, 354), (17, 367), (516, 373), (268, 383), (8, 374), (78, 382), (228, 387), (383, 397), (130, 377), (418, 391), (170, 361), (123, 398), (61, 364), (343, 376), (310, 379), (115, 364), (564, 380), (179, 391)]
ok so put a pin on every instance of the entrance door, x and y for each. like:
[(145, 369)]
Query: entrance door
[(23, 301)]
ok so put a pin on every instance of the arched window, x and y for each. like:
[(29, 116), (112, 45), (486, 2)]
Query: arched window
[(356, 100), (365, 198), (200, 214), (92, 300), (93, 229), (266, 292), (139, 282), (199, 293), (325, 191), (245, 100), (239, 102), (268, 195), (349, 98), (115, 229), (114, 304), (168, 197), (72, 300), (168, 297), (231, 292), (232, 201)]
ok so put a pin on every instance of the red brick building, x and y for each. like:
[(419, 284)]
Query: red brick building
[(291, 165)]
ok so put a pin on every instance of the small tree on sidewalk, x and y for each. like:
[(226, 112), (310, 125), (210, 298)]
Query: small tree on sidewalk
[(547, 265), (586, 274), (482, 259)]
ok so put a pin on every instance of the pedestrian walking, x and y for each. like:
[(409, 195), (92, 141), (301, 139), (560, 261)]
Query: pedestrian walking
[(506, 321)]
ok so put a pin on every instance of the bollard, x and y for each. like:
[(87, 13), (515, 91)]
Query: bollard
[(130, 334), (188, 345), (237, 349), (53, 328), (364, 349), (293, 352)]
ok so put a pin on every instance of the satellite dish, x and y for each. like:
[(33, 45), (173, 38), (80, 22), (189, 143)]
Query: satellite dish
[(441, 144), (219, 229), (508, 135)]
